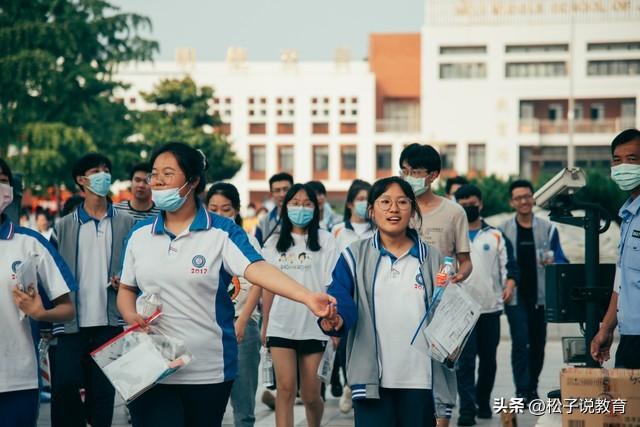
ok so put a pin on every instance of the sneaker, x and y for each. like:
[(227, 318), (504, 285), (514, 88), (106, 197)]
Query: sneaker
[(466, 420), (345, 403), (336, 390), (485, 413), (45, 396), (533, 395), (269, 399)]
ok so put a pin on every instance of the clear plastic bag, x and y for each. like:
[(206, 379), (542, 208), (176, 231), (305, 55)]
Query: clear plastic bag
[(325, 368)]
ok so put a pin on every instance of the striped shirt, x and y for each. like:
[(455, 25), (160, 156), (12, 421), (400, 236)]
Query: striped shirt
[(125, 206)]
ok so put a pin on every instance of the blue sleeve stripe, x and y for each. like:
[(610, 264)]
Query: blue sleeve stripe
[(57, 259), (237, 236)]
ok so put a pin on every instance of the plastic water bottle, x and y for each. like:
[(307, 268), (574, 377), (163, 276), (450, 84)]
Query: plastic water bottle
[(443, 278), (267, 368)]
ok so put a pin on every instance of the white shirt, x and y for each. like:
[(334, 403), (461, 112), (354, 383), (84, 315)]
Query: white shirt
[(399, 299), (94, 258), (240, 287), (191, 273), (346, 236), (290, 319), (18, 365)]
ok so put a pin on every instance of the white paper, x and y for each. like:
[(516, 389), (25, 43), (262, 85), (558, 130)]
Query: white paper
[(27, 277), (455, 316)]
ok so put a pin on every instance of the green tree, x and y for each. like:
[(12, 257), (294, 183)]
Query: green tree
[(181, 113), (57, 58)]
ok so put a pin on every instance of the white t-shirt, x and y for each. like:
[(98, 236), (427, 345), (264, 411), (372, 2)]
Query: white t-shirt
[(240, 287), (290, 319), (191, 273), (345, 236), (399, 299), (18, 365)]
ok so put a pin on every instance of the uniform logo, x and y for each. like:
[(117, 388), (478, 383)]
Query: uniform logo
[(636, 234), (486, 247), (419, 285), (15, 265), (198, 261)]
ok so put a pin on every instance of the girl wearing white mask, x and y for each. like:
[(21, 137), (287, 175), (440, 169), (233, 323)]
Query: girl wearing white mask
[(356, 223), (188, 257), (305, 252), (19, 369)]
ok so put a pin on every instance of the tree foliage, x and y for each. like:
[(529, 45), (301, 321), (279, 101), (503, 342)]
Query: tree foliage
[(181, 113)]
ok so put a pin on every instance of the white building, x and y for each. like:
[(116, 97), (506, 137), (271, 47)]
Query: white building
[(497, 76)]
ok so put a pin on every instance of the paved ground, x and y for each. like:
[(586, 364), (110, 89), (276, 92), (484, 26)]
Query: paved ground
[(550, 379)]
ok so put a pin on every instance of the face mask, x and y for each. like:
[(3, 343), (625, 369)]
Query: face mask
[(251, 212), (169, 200), (99, 183), (473, 212), (626, 175), (417, 184), (300, 216), (6, 196), (361, 209)]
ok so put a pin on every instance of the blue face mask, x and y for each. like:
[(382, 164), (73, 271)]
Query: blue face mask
[(360, 209), (169, 200), (626, 175), (417, 184), (99, 183), (300, 216)]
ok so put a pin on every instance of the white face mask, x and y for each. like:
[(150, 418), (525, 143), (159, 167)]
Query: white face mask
[(6, 196)]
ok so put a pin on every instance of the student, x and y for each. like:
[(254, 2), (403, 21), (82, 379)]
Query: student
[(224, 200), (327, 218), (200, 251), (43, 225), (356, 224), (141, 206), (383, 286), (491, 287), (625, 299), (292, 334), (279, 184), (452, 185), (537, 243), (19, 392), (90, 241)]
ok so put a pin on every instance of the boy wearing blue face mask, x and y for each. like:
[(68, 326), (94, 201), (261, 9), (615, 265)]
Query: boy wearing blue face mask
[(625, 300), (291, 332), (90, 241)]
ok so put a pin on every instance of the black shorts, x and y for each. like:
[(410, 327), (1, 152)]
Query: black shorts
[(300, 346)]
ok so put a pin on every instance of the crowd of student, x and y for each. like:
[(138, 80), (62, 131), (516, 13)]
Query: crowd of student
[(304, 277)]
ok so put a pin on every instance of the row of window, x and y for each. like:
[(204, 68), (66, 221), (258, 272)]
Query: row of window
[(478, 70), (288, 101), (348, 160), (540, 48)]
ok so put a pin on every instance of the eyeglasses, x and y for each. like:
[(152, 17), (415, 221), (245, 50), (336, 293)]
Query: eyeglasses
[(385, 203), (165, 178), (296, 204), (416, 173), (521, 199)]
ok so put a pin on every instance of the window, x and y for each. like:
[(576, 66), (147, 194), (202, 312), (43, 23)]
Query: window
[(400, 116), (285, 129), (449, 157), (616, 67), (536, 69), (285, 158), (555, 112), (477, 158), (614, 46), (257, 128), (348, 128), (348, 162), (597, 111), (319, 128), (526, 110), (536, 48), (320, 162), (456, 50), (593, 157), (383, 160), (257, 161), (463, 70), (578, 111)]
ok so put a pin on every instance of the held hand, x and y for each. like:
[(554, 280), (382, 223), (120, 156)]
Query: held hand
[(115, 282), (321, 304), (240, 327), (600, 346), (458, 277), (507, 293), (134, 318), (333, 323), (29, 303)]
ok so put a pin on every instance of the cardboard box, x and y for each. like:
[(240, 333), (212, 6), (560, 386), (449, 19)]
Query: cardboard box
[(593, 397)]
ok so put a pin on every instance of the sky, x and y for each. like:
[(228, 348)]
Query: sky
[(265, 27)]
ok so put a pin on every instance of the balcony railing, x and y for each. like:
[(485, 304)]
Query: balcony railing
[(397, 125), (536, 126)]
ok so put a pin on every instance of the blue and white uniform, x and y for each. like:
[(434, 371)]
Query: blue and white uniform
[(19, 369), (191, 272)]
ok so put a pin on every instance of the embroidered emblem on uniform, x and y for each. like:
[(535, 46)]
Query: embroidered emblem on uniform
[(486, 247), (198, 261), (636, 234), (15, 265)]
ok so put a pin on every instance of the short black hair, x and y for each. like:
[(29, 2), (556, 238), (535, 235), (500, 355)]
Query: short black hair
[(624, 137), (140, 167), (6, 170), (86, 162), (282, 176), (318, 187), (519, 183), (191, 161), (421, 156), (461, 180), (381, 185), (230, 192), (468, 190)]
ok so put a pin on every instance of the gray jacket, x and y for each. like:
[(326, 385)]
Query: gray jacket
[(353, 285), (67, 234)]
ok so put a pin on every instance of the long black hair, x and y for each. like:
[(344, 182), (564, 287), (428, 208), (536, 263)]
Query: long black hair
[(191, 161), (285, 240), (229, 191), (381, 185), (356, 187), (6, 170)]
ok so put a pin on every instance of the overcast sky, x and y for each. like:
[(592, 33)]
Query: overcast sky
[(265, 27)]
